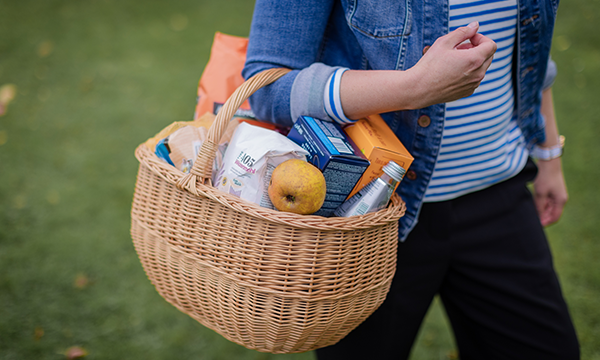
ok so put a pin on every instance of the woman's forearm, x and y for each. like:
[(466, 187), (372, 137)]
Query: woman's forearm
[(547, 110), (371, 92), (451, 69)]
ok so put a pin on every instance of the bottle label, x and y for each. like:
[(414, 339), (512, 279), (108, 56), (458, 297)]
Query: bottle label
[(371, 198)]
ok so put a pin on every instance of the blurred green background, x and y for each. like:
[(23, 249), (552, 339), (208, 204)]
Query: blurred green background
[(96, 78)]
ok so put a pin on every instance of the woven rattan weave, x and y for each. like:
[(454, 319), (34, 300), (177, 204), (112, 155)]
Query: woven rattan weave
[(270, 281)]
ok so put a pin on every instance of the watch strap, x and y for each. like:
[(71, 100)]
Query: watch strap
[(548, 153)]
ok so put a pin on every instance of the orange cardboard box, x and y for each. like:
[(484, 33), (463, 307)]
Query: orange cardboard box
[(379, 144)]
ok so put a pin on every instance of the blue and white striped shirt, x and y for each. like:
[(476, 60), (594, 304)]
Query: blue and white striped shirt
[(481, 144)]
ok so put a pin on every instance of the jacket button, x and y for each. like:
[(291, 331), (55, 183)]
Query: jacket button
[(425, 49), (411, 175), (424, 121)]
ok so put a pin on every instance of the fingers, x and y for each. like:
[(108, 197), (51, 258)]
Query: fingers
[(555, 211), (549, 209), (462, 34), (486, 64), (467, 38), (483, 44), (486, 49), (541, 203), (479, 39), (554, 214), (465, 46), (550, 191), (551, 214), (544, 209)]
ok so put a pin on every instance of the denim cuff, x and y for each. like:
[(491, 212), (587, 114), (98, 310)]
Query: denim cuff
[(306, 98)]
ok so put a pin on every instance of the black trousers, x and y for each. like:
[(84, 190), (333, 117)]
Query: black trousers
[(487, 257)]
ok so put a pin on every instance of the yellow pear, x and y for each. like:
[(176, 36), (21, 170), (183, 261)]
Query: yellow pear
[(297, 186)]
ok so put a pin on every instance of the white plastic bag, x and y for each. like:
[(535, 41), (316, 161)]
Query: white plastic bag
[(252, 155)]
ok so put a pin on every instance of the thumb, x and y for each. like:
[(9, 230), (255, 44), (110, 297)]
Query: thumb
[(461, 34)]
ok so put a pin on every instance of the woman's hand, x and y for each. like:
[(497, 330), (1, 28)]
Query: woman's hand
[(550, 191), (549, 185), (453, 68)]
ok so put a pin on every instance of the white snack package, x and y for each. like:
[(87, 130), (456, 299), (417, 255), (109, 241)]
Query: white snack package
[(252, 155)]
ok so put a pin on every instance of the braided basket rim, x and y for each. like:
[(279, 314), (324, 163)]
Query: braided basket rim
[(169, 173)]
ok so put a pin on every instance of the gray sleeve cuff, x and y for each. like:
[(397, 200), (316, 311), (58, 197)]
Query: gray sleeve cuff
[(306, 97), (550, 74)]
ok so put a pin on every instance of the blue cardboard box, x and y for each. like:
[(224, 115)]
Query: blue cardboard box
[(332, 151)]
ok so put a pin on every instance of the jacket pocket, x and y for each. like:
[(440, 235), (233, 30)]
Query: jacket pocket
[(379, 19)]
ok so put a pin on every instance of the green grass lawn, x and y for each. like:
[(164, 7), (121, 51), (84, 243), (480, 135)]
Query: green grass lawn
[(96, 78)]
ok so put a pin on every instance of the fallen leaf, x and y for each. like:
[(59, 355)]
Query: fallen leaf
[(75, 352), (452, 355), (38, 333), (81, 281), (7, 94), (45, 48)]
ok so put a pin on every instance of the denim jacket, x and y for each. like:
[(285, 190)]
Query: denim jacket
[(314, 37)]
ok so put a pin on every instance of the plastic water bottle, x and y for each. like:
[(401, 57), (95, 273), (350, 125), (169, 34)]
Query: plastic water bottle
[(375, 195)]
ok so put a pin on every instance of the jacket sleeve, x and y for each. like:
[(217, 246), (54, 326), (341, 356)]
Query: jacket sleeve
[(289, 34)]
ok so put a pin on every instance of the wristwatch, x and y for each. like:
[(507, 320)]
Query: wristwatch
[(549, 153)]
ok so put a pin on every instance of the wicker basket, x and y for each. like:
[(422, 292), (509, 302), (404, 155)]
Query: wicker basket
[(270, 281)]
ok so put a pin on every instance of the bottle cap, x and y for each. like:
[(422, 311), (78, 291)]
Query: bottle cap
[(394, 170)]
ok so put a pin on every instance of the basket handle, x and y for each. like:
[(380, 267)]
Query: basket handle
[(202, 168)]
